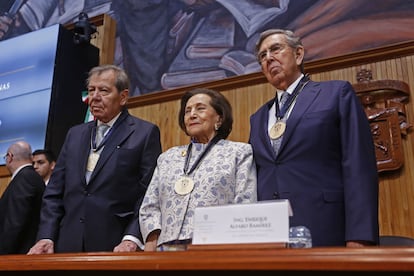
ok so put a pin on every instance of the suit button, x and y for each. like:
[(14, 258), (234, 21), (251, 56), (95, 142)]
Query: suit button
[(81, 220), (276, 195)]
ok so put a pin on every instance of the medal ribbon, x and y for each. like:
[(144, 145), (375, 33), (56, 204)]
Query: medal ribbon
[(200, 157), (280, 113), (104, 140)]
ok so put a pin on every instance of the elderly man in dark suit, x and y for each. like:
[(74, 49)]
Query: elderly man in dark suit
[(316, 149), (20, 202), (92, 200)]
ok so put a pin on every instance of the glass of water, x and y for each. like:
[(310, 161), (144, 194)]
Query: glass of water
[(300, 237)]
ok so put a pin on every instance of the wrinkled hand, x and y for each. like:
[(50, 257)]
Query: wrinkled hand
[(42, 247), (126, 246)]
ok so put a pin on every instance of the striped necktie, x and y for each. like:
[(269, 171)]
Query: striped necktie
[(100, 133), (283, 99)]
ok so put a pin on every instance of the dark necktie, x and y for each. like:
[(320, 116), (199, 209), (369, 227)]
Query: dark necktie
[(276, 142), (283, 99)]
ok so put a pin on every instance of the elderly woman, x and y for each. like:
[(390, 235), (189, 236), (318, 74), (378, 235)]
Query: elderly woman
[(209, 171)]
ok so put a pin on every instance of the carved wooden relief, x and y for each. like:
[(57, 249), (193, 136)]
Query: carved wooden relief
[(384, 103)]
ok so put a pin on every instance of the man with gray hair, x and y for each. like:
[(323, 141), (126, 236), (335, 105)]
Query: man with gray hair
[(315, 149), (20, 202), (92, 200)]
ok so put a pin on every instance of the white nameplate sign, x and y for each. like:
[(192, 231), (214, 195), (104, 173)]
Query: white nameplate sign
[(262, 222)]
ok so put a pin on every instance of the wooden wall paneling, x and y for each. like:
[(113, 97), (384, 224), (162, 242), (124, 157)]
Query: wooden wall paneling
[(241, 126), (165, 115), (3, 171), (105, 39), (4, 180), (408, 144), (399, 68), (385, 206), (406, 181), (245, 101), (382, 71)]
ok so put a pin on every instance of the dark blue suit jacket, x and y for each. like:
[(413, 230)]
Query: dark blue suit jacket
[(94, 217), (19, 211), (326, 164)]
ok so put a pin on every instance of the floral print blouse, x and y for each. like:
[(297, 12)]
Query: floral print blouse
[(226, 175)]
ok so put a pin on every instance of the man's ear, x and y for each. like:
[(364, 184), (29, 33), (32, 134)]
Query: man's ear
[(299, 54), (124, 96)]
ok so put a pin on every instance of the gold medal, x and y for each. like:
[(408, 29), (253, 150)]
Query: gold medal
[(92, 160), (184, 185), (277, 130)]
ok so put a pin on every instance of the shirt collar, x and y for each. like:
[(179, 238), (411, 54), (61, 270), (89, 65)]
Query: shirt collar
[(291, 87), (111, 122)]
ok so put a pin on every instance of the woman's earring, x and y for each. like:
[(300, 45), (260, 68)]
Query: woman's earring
[(216, 126)]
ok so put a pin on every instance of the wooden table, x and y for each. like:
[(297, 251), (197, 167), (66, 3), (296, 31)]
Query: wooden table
[(259, 261)]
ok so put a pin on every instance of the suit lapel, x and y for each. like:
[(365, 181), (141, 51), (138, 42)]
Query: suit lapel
[(121, 131), (85, 148), (303, 102), (261, 121), (264, 131)]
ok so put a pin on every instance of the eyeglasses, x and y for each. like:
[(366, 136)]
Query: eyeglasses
[(7, 154), (272, 51)]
